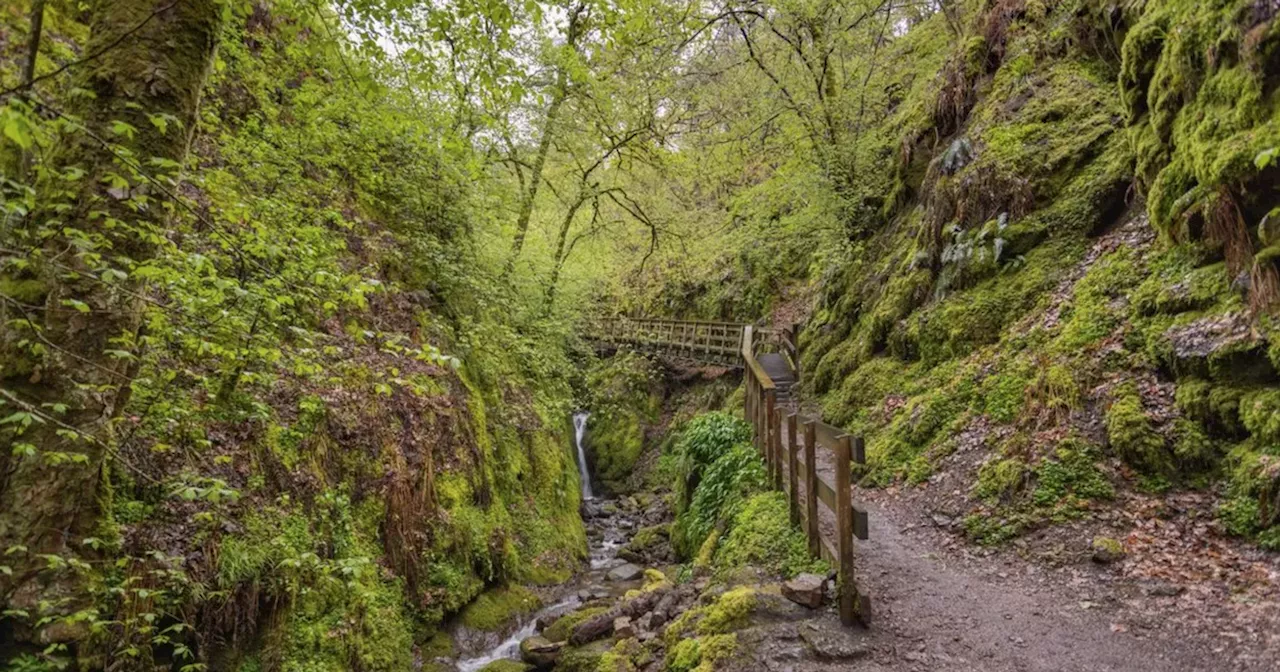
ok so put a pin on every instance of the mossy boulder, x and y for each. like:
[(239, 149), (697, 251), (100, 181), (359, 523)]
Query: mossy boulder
[(496, 608), (560, 630), (1107, 550), (585, 658)]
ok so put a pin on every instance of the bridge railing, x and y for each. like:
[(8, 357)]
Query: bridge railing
[(706, 341), (822, 508)]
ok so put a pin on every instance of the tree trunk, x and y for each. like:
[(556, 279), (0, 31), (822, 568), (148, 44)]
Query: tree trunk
[(50, 498), (558, 96), (33, 41), (561, 240)]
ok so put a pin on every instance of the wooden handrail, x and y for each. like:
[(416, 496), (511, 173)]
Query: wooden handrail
[(781, 451)]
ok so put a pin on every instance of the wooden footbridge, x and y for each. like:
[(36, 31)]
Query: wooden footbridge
[(810, 461)]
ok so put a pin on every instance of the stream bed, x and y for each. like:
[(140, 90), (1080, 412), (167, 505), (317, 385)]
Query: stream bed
[(609, 525)]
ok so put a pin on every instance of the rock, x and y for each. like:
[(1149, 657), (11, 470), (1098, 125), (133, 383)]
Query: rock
[(545, 620), (540, 651), (622, 628), (644, 623), (584, 595), (627, 572), (805, 589), (602, 624), (1107, 550), (629, 555)]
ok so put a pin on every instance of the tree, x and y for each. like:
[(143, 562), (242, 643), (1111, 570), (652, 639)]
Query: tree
[(68, 339), (566, 59)]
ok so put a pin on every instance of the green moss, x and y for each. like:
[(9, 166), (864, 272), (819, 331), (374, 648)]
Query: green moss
[(648, 537), (1213, 405), (560, 630), (1004, 395), (701, 654), (1107, 547), (497, 607), (990, 530), (1131, 435), (729, 612), (1260, 415), (1070, 477), (896, 451), (761, 535), (1095, 311), (585, 658), (975, 317), (1001, 479), (625, 401)]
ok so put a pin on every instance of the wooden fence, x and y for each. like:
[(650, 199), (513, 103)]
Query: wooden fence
[(716, 343), (829, 519)]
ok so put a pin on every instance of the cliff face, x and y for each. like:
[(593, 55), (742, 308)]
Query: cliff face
[(1067, 296)]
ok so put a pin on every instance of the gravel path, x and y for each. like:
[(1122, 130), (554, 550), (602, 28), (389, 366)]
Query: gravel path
[(936, 613), (938, 609)]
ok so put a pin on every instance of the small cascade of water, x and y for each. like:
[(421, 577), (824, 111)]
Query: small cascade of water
[(579, 431), (509, 649)]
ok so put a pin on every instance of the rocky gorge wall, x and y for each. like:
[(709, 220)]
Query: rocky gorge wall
[(1069, 292)]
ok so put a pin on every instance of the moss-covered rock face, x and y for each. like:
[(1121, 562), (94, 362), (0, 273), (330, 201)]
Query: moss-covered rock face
[(626, 401), (496, 608), (1010, 298)]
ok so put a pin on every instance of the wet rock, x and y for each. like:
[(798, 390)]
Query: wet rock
[(806, 590), (540, 651), (630, 555), (622, 628), (644, 623), (601, 625), (627, 572), (1107, 550)]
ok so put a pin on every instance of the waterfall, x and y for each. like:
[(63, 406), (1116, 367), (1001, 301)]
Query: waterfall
[(580, 430)]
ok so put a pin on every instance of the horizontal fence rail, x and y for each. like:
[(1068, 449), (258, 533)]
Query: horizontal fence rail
[(820, 504), (716, 343), (808, 460)]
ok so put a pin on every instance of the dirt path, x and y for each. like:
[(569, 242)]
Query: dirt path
[(933, 612), (941, 604)]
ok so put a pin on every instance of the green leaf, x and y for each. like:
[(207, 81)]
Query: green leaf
[(77, 304)]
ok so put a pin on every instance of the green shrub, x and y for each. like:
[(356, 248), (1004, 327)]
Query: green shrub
[(719, 492), (761, 535)]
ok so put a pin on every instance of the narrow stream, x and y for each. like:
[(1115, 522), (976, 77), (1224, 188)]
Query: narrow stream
[(607, 531)]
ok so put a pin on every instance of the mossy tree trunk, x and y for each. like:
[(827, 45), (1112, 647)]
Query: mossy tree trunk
[(71, 332)]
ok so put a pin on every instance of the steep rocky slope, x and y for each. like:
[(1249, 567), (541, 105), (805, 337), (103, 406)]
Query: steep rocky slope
[(1068, 294)]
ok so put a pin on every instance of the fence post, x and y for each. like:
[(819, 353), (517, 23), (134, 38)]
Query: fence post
[(770, 397), (793, 479), (778, 460), (811, 488), (844, 528)]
